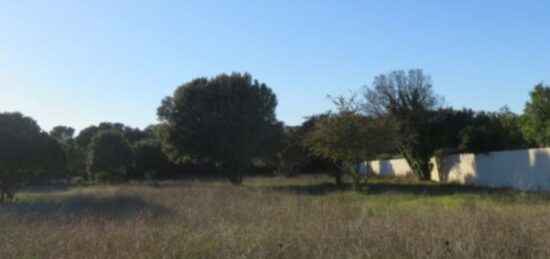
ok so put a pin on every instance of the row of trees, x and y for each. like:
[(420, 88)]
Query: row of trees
[(109, 152), (228, 123), (113, 152), (401, 115)]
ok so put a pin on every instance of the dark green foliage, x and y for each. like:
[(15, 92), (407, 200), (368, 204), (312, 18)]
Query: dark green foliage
[(348, 138), (26, 153), (109, 157), (292, 155), (53, 160), (492, 132), (265, 161), (74, 154), (408, 99), (474, 132), (62, 132), (228, 120), (76, 159), (85, 136), (535, 123), (149, 160), (294, 158), (448, 125), (81, 152)]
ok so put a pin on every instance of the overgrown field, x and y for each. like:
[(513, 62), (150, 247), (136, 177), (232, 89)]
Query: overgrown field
[(304, 217)]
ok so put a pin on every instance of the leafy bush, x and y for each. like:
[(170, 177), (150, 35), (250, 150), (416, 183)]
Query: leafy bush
[(109, 158)]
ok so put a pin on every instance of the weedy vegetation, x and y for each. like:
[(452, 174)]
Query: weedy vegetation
[(300, 217)]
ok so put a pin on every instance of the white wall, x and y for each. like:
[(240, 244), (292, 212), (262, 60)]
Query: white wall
[(455, 168), (527, 169), (392, 167)]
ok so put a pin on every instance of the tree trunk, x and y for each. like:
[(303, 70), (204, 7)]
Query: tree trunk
[(425, 168), (357, 177), (356, 182), (10, 195), (420, 168), (338, 178), (237, 177), (353, 170), (234, 173), (6, 195), (91, 176)]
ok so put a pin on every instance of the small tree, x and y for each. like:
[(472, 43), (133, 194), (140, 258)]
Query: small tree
[(408, 99), (536, 118), (149, 159), (295, 158), (109, 158), (26, 153), (228, 120), (348, 138)]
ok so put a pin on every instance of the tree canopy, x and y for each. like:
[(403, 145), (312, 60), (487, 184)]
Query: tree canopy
[(228, 120), (62, 132), (349, 137), (25, 152), (536, 118), (110, 157), (408, 99)]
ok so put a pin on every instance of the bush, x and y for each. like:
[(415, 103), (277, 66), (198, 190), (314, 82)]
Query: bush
[(109, 158), (149, 160)]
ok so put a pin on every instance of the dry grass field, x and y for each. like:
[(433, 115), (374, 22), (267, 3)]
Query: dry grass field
[(305, 217)]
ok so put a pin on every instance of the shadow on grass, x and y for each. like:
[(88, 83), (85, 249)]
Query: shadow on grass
[(84, 206), (47, 188), (431, 189), (311, 189)]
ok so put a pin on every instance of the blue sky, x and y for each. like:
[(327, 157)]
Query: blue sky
[(78, 63)]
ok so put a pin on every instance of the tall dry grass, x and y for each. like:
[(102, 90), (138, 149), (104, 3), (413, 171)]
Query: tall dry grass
[(274, 218)]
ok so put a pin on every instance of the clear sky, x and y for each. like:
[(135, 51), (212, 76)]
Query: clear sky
[(78, 63)]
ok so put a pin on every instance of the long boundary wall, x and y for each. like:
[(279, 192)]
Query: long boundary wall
[(390, 168), (527, 169)]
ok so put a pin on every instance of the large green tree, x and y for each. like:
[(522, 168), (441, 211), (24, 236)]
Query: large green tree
[(536, 116), (26, 153), (228, 120), (408, 99), (109, 157)]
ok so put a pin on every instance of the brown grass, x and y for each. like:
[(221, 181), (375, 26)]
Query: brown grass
[(303, 217)]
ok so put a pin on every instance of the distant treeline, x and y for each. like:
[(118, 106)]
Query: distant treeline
[(227, 126)]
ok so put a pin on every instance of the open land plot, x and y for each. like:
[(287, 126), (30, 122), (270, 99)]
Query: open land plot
[(301, 217)]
